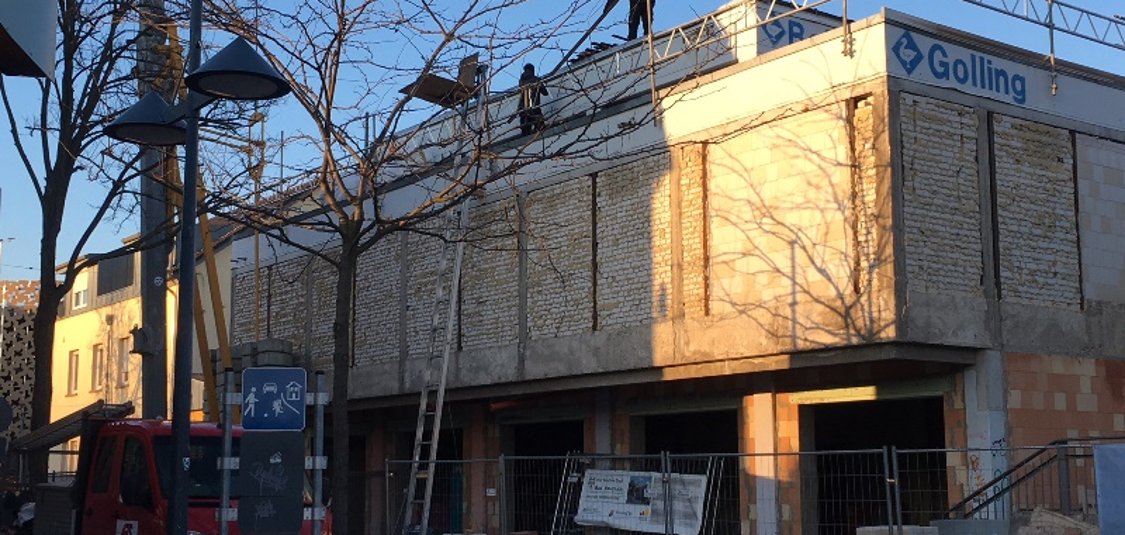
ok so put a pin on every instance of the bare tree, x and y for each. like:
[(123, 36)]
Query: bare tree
[(358, 71), (63, 142)]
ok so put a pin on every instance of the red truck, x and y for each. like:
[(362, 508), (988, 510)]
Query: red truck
[(124, 479)]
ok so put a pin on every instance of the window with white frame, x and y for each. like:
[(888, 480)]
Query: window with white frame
[(72, 376), (97, 368), (80, 299)]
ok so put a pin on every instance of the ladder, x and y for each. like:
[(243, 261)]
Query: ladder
[(435, 370), (427, 430)]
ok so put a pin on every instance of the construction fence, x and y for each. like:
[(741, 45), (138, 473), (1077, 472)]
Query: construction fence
[(820, 493)]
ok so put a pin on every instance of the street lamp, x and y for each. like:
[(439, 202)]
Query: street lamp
[(237, 73)]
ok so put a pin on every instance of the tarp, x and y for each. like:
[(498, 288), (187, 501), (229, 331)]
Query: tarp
[(1109, 470)]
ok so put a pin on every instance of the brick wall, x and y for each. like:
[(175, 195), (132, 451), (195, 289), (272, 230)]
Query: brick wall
[(634, 248), (377, 303), (1037, 231), (559, 259), (282, 306), (691, 161), (1101, 188), (422, 265), (1052, 397), (941, 196), (489, 280)]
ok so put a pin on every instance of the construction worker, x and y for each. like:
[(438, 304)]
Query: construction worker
[(531, 89), (639, 15)]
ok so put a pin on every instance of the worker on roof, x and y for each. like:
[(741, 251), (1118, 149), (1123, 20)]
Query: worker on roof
[(639, 15), (531, 89)]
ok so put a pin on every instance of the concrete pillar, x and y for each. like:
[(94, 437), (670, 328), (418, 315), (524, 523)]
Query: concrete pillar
[(765, 466), (376, 486), (603, 422), (759, 488), (477, 478), (986, 415)]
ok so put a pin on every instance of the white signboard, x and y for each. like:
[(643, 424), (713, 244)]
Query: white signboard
[(635, 501), (916, 56), (1109, 471)]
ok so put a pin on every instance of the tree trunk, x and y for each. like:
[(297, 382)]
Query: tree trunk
[(341, 368), (43, 337)]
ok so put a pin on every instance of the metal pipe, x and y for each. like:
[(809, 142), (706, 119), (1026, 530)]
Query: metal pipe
[(228, 421), (181, 377), (318, 452)]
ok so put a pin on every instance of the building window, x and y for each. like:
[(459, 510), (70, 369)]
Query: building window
[(72, 377), (72, 455), (123, 361), (97, 369), (81, 299)]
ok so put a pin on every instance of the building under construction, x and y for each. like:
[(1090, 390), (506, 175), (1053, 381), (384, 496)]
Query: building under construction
[(883, 237)]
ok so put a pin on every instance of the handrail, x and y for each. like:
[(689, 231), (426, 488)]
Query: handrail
[(959, 506)]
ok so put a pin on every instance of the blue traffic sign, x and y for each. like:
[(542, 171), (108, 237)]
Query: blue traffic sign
[(273, 398)]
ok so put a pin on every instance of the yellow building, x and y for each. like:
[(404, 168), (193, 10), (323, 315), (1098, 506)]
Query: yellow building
[(93, 358)]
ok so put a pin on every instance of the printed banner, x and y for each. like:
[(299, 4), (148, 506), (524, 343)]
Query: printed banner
[(635, 501)]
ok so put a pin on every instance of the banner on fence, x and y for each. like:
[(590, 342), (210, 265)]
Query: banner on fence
[(635, 501), (1109, 471)]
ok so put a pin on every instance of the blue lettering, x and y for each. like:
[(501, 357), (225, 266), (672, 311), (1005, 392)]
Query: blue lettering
[(976, 71), (1019, 89), (796, 31), (960, 71), (1000, 80), (939, 67)]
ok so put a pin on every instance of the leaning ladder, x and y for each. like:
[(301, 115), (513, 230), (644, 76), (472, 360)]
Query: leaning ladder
[(434, 373), (427, 431)]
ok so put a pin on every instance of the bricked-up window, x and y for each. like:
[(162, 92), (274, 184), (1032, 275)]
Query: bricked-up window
[(72, 376), (97, 368), (123, 346), (115, 274)]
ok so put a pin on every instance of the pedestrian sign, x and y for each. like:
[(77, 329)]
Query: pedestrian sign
[(273, 398)]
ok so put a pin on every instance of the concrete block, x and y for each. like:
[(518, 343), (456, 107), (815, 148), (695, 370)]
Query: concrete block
[(906, 530), (971, 527)]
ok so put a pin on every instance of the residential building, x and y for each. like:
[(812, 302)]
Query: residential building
[(918, 244), (93, 351)]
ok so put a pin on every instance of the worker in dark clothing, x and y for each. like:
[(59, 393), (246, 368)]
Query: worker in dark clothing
[(639, 15), (531, 89)]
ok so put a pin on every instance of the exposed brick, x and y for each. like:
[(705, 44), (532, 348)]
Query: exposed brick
[(941, 196), (559, 248), (634, 250), (1037, 232)]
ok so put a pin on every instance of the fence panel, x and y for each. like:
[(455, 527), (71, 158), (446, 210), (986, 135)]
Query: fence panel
[(806, 493)]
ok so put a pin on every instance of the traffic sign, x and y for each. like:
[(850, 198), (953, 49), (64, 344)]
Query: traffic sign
[(273, 398)]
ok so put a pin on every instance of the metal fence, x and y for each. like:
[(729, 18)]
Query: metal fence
[(807, 493)]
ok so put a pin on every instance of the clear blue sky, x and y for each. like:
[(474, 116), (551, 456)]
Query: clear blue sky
[(19, 216)]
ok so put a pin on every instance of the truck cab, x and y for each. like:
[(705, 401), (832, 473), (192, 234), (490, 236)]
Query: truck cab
[(125, 479)]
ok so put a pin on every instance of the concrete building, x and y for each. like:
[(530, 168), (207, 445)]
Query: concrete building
[(919, 244)]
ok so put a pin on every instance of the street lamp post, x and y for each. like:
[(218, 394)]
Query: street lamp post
[(237, 73)]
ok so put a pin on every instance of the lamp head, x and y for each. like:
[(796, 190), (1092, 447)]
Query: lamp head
[(144, 124), (237, 72)]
